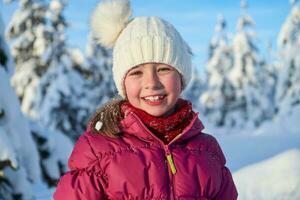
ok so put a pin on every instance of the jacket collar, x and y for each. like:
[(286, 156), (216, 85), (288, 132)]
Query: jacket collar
[(133, 125)]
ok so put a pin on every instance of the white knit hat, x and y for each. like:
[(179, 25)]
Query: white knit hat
[(137, 41)]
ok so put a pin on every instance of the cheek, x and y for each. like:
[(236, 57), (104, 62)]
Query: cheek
[(174, 84), (131, 89)]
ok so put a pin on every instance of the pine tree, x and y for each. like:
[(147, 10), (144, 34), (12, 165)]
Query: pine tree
[(18, 156), (5, 57), (288, 89), (54, 149), (63, 106), (218, 99), (28, 153), (59, 102), (29, 38), (72, 87), (100, 84), (248, 75), (194, 90), (219, 37)]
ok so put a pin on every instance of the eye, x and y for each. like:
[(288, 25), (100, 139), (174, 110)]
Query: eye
[(135, 73), (164, 69)]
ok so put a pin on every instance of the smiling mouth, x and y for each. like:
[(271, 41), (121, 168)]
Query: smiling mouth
[(154, 98)]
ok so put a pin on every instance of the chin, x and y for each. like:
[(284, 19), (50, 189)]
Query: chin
[(158, 113)]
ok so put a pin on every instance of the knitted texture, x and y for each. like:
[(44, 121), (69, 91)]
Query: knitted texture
[(139, 40), (150, 39), (165, 128)]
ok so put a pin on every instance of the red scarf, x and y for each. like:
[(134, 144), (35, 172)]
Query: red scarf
[(165, 128)]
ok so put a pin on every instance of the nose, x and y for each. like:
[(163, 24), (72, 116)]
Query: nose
[(152, 81)]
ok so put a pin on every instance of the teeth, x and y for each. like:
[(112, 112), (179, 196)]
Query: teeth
[(153, 98)]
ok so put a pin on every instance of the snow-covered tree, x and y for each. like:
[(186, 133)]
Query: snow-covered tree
[(55, 104), (70, 92), (29, 39), (51, 54), (195, 89), (218, 99), (219, 37), (88, 84), (100, 80), (5, 58), (73, 86), (288, 89), (54, 149), (249, 77), (28, 153), (270, 68), (62, 104), (19, 166)]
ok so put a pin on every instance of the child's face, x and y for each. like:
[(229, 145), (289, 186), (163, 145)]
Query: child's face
[(154, 88)]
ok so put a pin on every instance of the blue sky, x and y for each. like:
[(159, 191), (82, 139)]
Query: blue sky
[(194, 19)]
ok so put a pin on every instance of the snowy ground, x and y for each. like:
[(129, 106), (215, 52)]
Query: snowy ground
[(266, 162), (243, 150), (265, 167), (272, 179)]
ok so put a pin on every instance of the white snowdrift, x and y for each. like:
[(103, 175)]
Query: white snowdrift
[(274, 178)]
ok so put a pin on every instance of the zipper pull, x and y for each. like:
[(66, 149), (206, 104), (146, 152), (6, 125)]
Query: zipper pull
[(171, 163)]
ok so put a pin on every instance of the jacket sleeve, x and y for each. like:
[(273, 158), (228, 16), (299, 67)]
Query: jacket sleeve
[(83, 181), (227, 190), (79, 185)]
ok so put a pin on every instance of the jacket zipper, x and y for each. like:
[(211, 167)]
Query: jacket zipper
[(171, 169), (169, 156), (171, 163)]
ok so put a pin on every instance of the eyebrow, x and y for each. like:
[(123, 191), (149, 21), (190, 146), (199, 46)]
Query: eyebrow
[(134, 67), (143, 65)]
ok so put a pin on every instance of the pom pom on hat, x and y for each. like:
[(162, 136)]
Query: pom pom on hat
[(138, 40), (109, 19)]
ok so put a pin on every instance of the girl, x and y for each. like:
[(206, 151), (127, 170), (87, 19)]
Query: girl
[(150, 144)]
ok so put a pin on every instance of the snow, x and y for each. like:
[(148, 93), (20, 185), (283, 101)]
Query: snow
[(20, 150), (6, 149), (17, 142), (77, 56), (275, 178), (17, 145), (58, 148), (288, 89), (243, 150), (16, 124), (217, 97), (289, 29), (56, 6), (283, 123), (265, 162), (239, 86)]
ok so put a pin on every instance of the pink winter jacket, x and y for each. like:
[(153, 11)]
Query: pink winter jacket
[(138, 166)]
